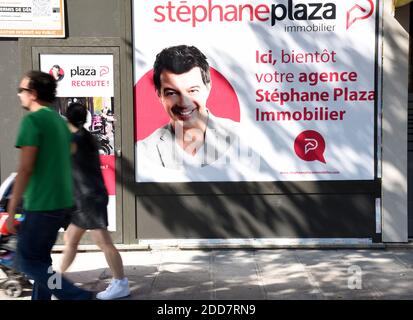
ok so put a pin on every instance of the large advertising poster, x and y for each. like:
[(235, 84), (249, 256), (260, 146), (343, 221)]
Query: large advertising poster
[(32, 18), (88, 79), (289, 96)]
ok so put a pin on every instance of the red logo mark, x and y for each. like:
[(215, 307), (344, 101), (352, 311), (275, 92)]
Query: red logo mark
[(103, 70), (310, 146), (57, 72), (359, 12)]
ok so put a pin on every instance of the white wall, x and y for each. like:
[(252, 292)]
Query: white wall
[(394, 147)]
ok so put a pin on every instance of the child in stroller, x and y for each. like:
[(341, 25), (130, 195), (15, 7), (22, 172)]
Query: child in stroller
[(15, 281)]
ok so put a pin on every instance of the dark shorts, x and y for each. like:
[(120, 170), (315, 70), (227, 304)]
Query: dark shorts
[(91, 213)]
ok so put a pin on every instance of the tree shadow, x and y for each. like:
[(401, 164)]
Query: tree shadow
[(284, 274)]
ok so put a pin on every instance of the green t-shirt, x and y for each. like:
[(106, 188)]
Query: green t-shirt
[(50, 185)]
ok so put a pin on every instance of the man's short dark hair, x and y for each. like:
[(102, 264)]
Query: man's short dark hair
[(44, 84), (180, 59)]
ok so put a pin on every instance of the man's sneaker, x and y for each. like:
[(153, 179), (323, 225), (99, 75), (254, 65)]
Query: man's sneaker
[(116, 289)]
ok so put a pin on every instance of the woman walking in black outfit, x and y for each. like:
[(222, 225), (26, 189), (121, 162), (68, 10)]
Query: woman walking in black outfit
[(91, 201)]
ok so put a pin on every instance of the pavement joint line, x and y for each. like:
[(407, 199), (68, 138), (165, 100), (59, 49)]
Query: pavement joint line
[(402, 263), (103, 275), (157, 273), (311, 279), (260, 277), (212, 275)]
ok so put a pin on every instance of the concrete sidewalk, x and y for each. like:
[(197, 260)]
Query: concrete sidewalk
[(253, 274)]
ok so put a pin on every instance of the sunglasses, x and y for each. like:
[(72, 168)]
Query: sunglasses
[(20, 90)]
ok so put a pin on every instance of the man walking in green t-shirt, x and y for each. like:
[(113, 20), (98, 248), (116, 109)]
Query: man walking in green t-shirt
[(44, 180)]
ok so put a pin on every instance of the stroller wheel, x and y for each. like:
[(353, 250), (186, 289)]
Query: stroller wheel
[(13, 288)]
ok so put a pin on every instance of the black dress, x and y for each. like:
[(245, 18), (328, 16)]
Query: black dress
[(89, 189)]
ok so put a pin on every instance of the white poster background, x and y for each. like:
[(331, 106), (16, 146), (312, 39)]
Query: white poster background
[(231, 48), (84, 75), (32, 18)]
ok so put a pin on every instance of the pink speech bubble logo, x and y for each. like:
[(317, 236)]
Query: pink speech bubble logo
[(104, 70), (310, 146), (360, 12)]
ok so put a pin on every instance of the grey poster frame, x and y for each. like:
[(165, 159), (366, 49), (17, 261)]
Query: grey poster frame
[(30, 51)]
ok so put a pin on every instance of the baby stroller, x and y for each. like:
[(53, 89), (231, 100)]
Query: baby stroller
[(15, 281)]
